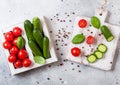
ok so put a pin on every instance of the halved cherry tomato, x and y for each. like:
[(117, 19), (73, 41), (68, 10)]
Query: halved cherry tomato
[(9, 36), (75, 51), (17, 31), (14, 41), (90, 40), (12, 58), (26, 62), (18, 64), (22, 54), (82, 23), (14, 50), (7, 45)]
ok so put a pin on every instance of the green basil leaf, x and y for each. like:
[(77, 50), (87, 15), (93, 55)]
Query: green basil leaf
[(39, 60), (79, 38), (20, 42), (95, 22)]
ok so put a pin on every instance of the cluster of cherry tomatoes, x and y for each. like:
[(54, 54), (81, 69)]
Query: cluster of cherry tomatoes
[(19, 57), (89, 40)]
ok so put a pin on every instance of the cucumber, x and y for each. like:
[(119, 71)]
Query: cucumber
[(34, 48), (102, 48), (20, 42), (37, 24), (28, 29), (38, 37), (46, 52), (91, 58), (98, 54), (107, 33)]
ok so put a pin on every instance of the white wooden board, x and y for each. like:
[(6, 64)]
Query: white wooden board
[(106, 62), (34, 65)]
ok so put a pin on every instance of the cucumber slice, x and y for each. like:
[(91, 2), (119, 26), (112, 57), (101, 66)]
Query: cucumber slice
[(107, 33), (98, 54), (102, 48), (91, 58)]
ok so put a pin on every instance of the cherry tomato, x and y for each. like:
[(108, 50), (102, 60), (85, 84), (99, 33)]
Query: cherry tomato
[(22, 54), (14, 41), (14, 50), (9, 36), (6, 45), (12, 58), (18, 64), (82, 23), (90, 40), (75, 51), (17, 31), (26, 62)]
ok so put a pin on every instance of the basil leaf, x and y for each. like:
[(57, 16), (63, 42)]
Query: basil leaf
[(39, 60), (79, 38), (95, 22)]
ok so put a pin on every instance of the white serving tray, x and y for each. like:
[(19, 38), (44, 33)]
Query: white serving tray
[(106, 62), (33, 65)]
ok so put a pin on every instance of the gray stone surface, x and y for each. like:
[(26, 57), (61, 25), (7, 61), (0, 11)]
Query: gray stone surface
[(60, 17)]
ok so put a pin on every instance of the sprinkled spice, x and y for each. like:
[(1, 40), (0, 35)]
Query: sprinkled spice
[(73, 69), (60, 78), (50, 31), (57, 49), (48, 78), (100, 14), (110, 62), (91, 32), (90, 25), (61, 54), (78, 65), (70, 20), (49, 66), (37, 82), (72, 63), (51, 19), (79, 70), (99, 34), (61, 64)]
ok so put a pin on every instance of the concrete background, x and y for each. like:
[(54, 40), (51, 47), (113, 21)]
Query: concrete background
[(60, 17)]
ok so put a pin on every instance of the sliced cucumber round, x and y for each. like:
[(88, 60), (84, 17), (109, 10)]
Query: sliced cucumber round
[(98, 54), (102, 48), (91, 58)]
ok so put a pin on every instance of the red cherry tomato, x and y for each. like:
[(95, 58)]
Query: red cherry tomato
[(75, 51), (90, 40), (82, 23), (14, 50), (6, 45), (22, 54), (26, 62), (18, 64), (14, 41), (17, 31), (9, 36), (12, 58)]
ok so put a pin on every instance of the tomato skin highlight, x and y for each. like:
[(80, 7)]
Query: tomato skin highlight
[(26, 62), (14, 41), (12, 58), (17, 31), (90, 40), (82, 23), (22, 54), (9, 36), (7, 45), (18, 64), (75, 51), (14, 50)]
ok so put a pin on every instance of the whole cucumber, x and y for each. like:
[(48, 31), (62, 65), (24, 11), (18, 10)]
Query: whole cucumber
[(37, 24), (28, 29), (38, 37), (20, 42), (34, 48), (46, 52)]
